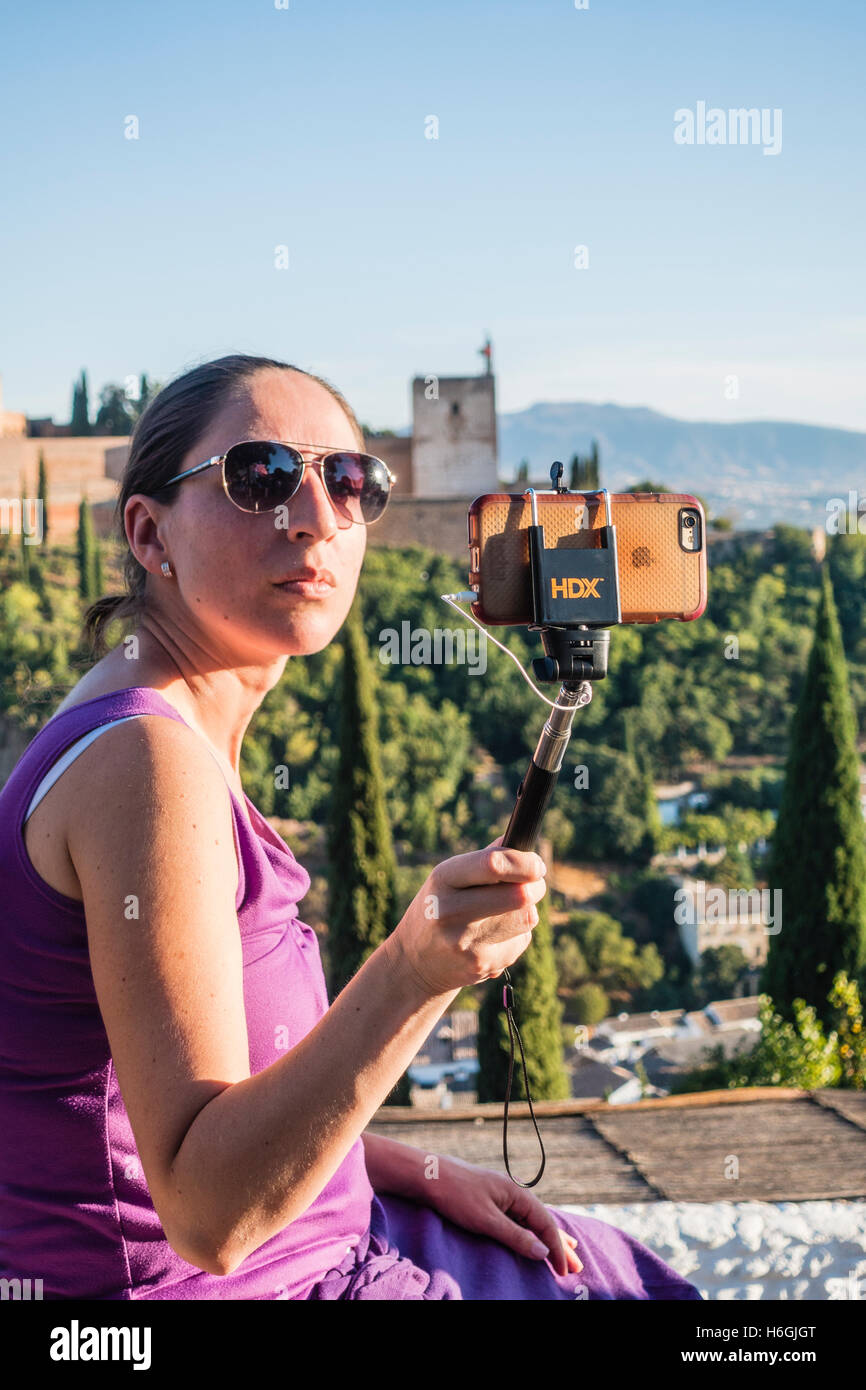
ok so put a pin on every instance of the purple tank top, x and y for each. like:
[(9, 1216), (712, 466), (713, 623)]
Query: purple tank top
[(75, 1210)]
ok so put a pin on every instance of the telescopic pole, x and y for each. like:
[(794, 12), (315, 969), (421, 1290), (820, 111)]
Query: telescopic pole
[(536, 788)]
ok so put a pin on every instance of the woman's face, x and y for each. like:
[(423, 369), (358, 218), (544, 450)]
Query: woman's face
[(227, 562)]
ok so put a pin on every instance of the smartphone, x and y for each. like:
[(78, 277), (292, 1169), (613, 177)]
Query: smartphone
[(661, 551)]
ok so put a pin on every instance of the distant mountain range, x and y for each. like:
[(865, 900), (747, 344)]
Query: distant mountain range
[(756, 473)]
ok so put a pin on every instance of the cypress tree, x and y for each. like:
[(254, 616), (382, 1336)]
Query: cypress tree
[(361, 859), (98, 581), (818, 854), (362, 866), (42, 494), (539, 1017), (80, 422), (584, 472), (86, 552), (24, 548)]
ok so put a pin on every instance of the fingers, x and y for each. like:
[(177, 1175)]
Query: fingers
[(474, 904), (490, 865), (575, 1264), (522, 1240), (539, 1220)]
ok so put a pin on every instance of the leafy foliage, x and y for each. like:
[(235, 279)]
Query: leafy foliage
[(794, 1052)]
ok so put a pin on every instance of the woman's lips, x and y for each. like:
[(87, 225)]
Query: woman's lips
[(309, 584)]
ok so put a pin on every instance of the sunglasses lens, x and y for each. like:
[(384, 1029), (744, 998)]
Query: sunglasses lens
[(261, 476), (358, 485)]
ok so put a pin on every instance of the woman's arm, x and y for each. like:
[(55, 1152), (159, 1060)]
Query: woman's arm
[(230, 1159), (393, 1166)]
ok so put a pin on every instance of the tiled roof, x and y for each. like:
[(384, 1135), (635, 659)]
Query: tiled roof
[(734, 1010), (789, 1145), (591, 1078), (641, 1023)]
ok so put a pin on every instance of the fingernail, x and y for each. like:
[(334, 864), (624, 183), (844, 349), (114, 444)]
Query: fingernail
[(539, 1248)]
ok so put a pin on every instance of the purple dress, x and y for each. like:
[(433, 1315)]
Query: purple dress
[(75, 1210)]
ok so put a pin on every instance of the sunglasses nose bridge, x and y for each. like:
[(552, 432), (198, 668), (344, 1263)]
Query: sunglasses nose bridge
[(317, 465)]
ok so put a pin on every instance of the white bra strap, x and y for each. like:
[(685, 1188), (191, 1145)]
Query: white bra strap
[(63, 762)]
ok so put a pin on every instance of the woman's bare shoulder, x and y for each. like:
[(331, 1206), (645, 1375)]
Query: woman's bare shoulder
[(146, 769)]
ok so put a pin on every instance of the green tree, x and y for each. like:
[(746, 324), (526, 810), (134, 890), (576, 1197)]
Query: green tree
[(846, 558), (146, 392), (114, 415), (594, 469), (608, 801), (87, 552), (539, 1017), (584, 471), (818, 853), (571, 967), (612, 960), (721, 970), (42, 495), (734, 871), (34, 665), (848, 1015), (24, 550), (80, 421), (362, 866), (590, 1004)]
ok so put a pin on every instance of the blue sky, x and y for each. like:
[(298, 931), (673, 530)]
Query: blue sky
[(305, 127)]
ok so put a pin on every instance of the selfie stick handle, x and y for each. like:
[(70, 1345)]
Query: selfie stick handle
[(536, 789)]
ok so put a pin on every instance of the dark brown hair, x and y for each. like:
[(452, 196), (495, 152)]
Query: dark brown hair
[(166, 432)]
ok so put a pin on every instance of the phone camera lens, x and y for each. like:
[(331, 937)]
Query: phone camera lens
[(688, 521)]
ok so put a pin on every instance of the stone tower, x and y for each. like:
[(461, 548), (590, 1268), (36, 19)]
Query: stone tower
[(454, 436)]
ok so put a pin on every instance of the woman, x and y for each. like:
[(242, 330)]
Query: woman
[(181, 1113)]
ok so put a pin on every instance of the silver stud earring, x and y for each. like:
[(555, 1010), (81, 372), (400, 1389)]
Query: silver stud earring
[(166, 569)]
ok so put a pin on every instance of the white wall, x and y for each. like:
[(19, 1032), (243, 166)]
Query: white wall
[(753, 1250)]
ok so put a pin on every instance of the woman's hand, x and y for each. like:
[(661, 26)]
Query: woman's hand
[(472, 917), (490, 1204)]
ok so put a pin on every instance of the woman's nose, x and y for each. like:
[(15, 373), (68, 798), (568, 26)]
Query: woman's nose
[(311, 509)]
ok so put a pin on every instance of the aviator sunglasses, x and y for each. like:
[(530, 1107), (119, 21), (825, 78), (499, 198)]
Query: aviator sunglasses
[(261, 475)]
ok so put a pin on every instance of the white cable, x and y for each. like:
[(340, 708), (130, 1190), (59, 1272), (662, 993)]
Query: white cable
[(469, 596)]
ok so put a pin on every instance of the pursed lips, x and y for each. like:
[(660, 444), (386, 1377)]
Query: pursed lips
[(307, 580)]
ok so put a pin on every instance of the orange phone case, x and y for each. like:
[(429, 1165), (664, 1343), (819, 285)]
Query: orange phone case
[(657, 577)]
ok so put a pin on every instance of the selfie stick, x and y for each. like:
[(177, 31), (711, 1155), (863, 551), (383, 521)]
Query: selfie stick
[(573, 592)]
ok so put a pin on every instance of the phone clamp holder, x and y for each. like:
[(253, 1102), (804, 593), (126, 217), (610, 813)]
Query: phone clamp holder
[(574, 587)]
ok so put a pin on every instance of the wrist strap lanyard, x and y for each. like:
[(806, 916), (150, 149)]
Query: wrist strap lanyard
[(514, 1031)]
